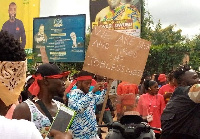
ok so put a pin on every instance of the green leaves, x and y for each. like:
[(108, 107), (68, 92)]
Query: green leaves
[(163, 58), (168, 45)]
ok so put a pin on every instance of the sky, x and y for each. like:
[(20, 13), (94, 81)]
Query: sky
[(185, 14)]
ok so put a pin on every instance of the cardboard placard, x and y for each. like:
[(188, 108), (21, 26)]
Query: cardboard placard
[(116, 55)]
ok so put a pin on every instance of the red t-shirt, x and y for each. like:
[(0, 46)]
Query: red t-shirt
[(166, 89), (154, 105), (126, 96), (127, 88)]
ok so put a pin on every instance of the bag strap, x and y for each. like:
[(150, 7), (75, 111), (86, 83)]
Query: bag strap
[(44, 109)]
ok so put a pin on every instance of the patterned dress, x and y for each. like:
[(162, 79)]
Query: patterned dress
[(41, 121), (84, 124)]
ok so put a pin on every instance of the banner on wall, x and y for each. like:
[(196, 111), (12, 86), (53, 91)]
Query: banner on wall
[(60, 38), (120, 15), (17, 18)]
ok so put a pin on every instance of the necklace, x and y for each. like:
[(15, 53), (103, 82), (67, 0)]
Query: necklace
[(151, 103)]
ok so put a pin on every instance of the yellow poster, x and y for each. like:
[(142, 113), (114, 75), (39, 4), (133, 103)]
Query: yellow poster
[(17, 18), (120, 15)]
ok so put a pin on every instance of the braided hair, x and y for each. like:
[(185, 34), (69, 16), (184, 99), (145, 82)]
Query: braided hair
[(10, 49)]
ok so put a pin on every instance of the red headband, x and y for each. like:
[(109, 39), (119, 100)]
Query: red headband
[(82, 78), (34, 89), (57, 76)]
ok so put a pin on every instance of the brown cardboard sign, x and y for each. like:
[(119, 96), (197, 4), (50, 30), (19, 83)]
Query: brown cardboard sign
[(116, 55)]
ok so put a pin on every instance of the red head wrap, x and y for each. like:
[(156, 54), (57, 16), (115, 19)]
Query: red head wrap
[(34, 89), (82, 78)]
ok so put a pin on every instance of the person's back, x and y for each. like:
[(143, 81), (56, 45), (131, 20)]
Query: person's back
[(127, 88), (17, 129), (177, 120), (181, 117), (127, 91), (126, 94)]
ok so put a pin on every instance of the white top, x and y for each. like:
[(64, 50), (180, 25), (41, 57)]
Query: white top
[(18, 129)]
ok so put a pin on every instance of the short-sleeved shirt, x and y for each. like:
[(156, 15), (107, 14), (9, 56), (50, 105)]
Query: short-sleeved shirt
[(166, 89), (126, 96)]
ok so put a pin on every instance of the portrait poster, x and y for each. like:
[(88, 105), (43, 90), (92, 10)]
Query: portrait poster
[(119, 15), (61, 37), (17, 18), (116, 55)]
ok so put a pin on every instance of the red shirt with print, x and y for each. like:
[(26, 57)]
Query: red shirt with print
[(168, 88)]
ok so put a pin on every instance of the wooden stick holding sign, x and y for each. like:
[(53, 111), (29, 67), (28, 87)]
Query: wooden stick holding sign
[(105, 101)]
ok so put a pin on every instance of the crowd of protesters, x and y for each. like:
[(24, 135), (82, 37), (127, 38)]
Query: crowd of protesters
[(169, 101)]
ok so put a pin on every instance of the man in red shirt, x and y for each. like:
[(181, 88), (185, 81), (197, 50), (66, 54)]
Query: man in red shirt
[(168, 89), (161, 80), (126, 98)]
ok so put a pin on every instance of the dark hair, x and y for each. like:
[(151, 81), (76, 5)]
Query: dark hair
[(84, 73), (156, 77), (60, 99), (48, 69), (99, 78), (170, 76), (149, 83), (10, 49), (180, 71), (25, 93), (75, 75), (12, 3), (145, 75)]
